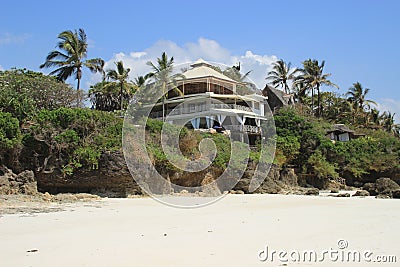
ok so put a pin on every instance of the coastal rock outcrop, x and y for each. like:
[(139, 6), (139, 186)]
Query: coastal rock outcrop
[(277, 180), (361, 193), (210, 187), (382, 188), (386, 184), (312, 192), (343, 195), (112, 179), (396, 193), (370, 188), (22, 183)]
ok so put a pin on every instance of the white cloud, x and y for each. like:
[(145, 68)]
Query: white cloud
[(259, 65), (206, 49), (1, 68), (7, 38), (390, 104)]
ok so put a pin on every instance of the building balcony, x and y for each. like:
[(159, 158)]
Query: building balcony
[(243, 128), (200, 108)]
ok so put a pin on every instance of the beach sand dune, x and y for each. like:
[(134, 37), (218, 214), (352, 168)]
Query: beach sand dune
[(231, 232)]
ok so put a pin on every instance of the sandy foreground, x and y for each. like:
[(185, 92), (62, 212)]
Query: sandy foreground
[(238, 230)]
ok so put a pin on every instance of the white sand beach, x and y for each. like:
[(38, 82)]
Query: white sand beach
[(231, 232)]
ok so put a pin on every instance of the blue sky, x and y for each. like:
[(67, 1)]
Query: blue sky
[(359, 40)]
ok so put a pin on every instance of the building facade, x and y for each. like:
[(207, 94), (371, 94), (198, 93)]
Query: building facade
[(207, 99)]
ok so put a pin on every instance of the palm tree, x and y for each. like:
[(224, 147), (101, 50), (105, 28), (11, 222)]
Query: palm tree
[(388, 122), (72, 57), (357, 96), (235, 74), (120, 76), (373, 118), (105, 96), (245, 87), (140, 81), (313, 77), (162, 73), (299, 90), (281, 73)]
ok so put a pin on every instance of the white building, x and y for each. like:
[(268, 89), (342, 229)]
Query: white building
[(210, 99)]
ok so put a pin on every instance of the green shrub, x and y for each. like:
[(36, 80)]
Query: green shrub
[(88, 156), (10, 134), (321, 167), (289, 146), (69, 137), (83, 134), (24, 92)]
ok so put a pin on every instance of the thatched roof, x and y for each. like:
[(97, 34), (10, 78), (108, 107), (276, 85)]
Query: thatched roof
[(203, 69), (277, 98), (341, 128)]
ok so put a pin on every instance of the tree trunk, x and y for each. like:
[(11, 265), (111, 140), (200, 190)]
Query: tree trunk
[(286, 89), (163, 109), (78, 100), (121, 95), (312, 101), (319, 110), (78, 87), (163, 102)]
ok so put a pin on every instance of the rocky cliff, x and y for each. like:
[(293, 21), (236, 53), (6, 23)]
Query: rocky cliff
[(113, 179)]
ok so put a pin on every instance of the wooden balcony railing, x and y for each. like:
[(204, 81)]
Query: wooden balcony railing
[(198, 108), (245, 128)]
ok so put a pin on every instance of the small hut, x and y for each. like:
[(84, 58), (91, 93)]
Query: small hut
[(342, 133)]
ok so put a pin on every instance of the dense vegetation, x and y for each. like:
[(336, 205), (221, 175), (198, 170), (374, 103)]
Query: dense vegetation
[(59, 140), (25, 92), (42, 129), (189, 144), (302, 143)]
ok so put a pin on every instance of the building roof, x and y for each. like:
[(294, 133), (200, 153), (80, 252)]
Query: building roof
[(203, 69), (284, 98), (340, 128)]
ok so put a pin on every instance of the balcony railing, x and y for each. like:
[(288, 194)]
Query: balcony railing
[(244, 128), (231, 106), (198, 108)]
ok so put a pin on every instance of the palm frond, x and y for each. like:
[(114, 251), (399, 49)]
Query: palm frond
[(94, 64)]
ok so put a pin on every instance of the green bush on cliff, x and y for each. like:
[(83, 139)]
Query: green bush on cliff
[(365, 155), (189, 141), (10, 134), (321, 167), (289, 146), (378, 152), (24, 92), (73, 138)]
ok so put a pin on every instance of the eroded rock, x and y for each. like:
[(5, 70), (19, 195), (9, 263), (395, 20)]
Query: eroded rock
[(312, 192), (23, 183), (209, 186), (361, 193)]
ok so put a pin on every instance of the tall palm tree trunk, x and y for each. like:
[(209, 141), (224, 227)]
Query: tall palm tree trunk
[(163, 103), (78, 97), (312, 100), (163, 109), (319, 110), (121, 93), (286, 88), (78, 87)]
